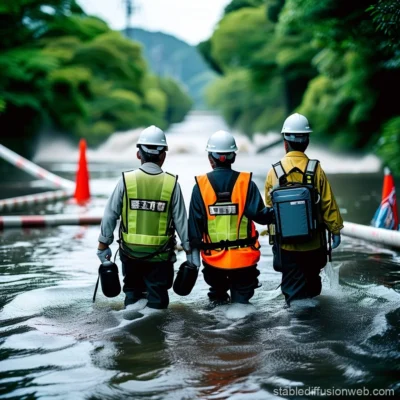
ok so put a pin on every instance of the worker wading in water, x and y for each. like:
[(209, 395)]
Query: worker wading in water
[(223, 206), (151, 207), (302, 254)]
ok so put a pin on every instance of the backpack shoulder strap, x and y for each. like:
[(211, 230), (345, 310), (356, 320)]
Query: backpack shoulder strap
[(309, 173), (280, 173), (212, 181), (223, 196)]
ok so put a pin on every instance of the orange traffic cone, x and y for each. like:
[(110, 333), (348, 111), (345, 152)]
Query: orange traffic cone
[(389, 194), (82, 191), (388, 183)]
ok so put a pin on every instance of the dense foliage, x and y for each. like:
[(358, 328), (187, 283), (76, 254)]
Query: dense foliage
[(65, 71), (336, 61)]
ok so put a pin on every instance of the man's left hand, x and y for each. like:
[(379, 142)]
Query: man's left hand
[(104, 255)]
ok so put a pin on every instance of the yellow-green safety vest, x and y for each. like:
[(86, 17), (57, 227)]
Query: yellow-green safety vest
[(146, 214)]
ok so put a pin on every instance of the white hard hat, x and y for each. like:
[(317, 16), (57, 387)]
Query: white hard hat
[(221, 142), (296, 128), (152, 136)]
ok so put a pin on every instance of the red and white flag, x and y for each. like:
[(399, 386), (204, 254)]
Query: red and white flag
[(386, 216)]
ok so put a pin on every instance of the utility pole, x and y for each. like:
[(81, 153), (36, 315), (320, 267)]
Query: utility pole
[(129, 8)]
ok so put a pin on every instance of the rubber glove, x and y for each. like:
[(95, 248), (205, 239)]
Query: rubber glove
[(104, 255), (335, 240)]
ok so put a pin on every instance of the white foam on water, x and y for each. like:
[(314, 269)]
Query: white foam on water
[(167, 381), (131, 315), (139, 305), (17, 244), (354, 373), (239, 311), (35, 301), (260, 395), (18, 278), (148, 312), (120, 146), (248, 394), (76, 384), (190, 138), (303, 304), (380, 291), (368, 302), (357, 350), (282, 382), (37, 340), (229, 316), (240, 390), (76, 355), (379, 325), (122, 324)]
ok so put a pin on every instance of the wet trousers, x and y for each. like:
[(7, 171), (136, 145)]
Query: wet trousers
[(241, 282), (151, 280), (300, 272)]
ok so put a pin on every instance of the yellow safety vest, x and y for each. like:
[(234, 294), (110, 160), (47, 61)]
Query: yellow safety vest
[(146, 230)]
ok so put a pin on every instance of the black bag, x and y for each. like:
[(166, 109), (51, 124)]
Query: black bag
[(110, 284), (185, 279), (296, 206)]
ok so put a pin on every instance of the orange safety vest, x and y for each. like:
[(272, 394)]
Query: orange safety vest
[(230, 240)]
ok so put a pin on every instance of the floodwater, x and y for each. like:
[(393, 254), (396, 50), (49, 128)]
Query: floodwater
[(56, 344)]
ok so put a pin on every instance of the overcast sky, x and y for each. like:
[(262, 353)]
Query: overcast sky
[(190, 20)]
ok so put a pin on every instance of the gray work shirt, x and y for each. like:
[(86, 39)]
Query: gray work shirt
[(113, 210)]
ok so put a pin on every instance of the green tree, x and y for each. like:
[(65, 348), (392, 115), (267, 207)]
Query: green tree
[(242, 106), (386, 17), (178, 102), (388, 146), (239, 37), (336, 61), (353, 101), (244, 49), (63, 70), (235, 5)]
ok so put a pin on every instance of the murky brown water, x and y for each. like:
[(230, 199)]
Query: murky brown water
[(56, 344)]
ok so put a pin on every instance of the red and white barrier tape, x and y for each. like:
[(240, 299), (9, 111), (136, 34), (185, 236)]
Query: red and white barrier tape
[(383, 236), (33, 169), (40, 221), (33, 199)]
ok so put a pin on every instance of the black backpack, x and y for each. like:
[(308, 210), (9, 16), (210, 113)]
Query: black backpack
[(296, 206)]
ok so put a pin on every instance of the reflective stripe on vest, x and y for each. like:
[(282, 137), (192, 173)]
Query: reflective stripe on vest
[(146, 209), (226, 221)]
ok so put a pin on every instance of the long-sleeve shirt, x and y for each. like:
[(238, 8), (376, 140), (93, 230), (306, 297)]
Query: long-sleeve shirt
[(255, 209), (113, 210), (329, 208)]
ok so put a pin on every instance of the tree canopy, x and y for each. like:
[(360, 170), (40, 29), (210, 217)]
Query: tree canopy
[(335, 61), (65, 71)]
